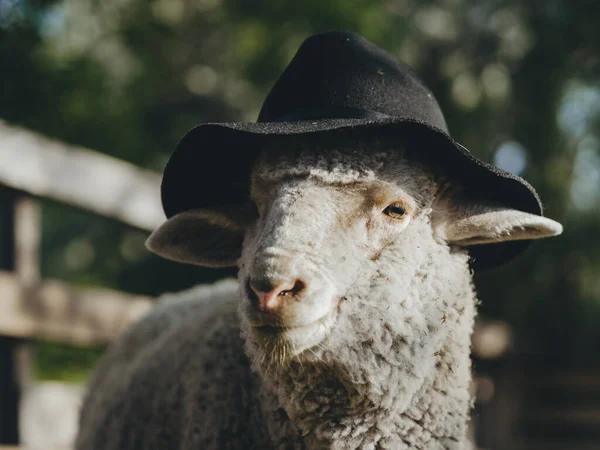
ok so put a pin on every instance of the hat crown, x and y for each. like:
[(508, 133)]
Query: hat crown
[(344, 77), (341, 70)]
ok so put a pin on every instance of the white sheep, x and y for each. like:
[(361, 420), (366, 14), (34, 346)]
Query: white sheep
[(352, 216), (355, 303)]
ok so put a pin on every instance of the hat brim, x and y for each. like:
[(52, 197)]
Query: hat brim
[(211, 167)]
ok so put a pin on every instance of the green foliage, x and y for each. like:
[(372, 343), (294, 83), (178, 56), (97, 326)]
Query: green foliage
[(62, 362)]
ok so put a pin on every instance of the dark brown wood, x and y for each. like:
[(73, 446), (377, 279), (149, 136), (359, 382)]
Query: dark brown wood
[(9, 385)]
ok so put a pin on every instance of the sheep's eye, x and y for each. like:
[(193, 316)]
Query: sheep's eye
[(395, 211)]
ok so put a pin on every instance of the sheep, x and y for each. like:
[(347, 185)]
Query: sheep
[(349, 325)]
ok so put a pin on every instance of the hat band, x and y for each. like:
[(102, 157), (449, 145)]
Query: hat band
[(331, 112)]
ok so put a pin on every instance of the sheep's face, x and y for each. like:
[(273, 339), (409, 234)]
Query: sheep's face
[(352, 259), (323, 224)]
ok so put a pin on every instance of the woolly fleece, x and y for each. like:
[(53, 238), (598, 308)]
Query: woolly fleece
[(393, 371)]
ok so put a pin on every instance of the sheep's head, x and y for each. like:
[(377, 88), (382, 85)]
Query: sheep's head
[(342, 249)]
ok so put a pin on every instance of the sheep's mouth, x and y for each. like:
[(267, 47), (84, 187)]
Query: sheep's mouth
[(300, 337), (275, 330)]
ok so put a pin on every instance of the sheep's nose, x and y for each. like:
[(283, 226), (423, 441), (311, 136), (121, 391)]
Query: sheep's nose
[(271, 296)]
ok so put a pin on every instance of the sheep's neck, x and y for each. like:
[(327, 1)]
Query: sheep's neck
[(346, 398), (436, 418)]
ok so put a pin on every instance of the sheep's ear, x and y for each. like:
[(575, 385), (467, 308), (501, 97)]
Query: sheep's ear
[(471, 224), (203, 237)]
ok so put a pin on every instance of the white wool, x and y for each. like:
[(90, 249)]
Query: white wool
[(388, 305)]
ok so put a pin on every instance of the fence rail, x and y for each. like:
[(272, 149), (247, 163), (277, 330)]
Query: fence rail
[(44, 167), (64, 313)]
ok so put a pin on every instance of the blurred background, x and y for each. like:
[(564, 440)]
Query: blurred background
[(94, 95)]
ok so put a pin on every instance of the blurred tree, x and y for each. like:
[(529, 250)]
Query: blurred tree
[(519, 81)]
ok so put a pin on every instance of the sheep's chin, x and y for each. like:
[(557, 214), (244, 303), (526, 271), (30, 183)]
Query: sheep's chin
[(296, 339)]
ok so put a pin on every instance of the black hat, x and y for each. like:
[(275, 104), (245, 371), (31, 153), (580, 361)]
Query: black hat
[(338, 83)]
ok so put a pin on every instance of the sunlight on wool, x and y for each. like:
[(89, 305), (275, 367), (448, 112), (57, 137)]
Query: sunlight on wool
[(511, 156)]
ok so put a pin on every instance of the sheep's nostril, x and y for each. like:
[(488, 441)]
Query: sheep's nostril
[(251, 294), (295, 290), (268, 297)]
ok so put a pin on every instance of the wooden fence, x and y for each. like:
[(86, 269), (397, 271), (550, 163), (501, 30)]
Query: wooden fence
[(33, 167)]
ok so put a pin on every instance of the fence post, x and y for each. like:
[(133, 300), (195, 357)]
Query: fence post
[(27, 238), (9, 383)]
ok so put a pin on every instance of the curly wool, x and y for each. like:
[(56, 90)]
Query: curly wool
[(180, 379), (393, 372), (390, 383)]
